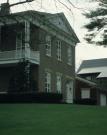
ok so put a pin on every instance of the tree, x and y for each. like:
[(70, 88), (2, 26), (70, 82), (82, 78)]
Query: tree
[(97, 27)]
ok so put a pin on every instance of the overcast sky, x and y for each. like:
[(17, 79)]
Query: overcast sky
[(76, 19)]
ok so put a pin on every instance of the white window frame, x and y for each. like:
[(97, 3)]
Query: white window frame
[(59, 83), (47, 81), (58, 52), (88, 77), (70, 56), (48, 45), (19, 44), (85, 93), (19, 41)]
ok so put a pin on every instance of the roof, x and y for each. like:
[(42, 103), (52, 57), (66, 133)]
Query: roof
[(94, 66), (90, 83), (57, 20), (103, 74), (86, 81)]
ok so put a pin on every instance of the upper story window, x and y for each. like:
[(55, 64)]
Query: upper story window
[(47, 81), (58, 83), (48, 45), (69, 53), (19, 40), (58, 52)]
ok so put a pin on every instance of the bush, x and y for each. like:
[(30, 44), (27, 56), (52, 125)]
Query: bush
[(86, 101), (31, 98)]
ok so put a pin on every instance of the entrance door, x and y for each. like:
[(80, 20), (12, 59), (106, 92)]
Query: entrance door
[(103, 99), (69, 90)]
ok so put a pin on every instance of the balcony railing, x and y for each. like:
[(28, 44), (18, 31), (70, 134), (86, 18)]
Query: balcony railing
[(16, 55)]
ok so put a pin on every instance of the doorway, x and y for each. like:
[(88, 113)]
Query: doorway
[(69, 90)]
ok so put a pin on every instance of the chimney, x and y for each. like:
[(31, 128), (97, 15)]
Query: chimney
[(5, 9)]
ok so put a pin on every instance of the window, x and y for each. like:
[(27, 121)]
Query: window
[(19, 41), (19, 45), (58, 50), (47, 82), (48, 45), (69, 53), (85, 93), (88, 77), (58, 83)]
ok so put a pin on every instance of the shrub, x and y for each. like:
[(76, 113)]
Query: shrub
[(31, 98), (86, 101)]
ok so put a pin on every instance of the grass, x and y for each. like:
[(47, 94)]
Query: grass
[(52, 119)]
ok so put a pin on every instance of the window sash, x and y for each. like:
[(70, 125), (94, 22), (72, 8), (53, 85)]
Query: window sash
[(59, 50), (69, 55), (48, 82), (48, 45), (85, 93), (19, 40), (58, 83)]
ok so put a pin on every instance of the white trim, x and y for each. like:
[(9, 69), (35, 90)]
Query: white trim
[(14, 57), (48, 45), (70, 55), (59, 51), (47, 82), (85, 93), (19, 44), (27, 39), (38, 22), (59, 83)]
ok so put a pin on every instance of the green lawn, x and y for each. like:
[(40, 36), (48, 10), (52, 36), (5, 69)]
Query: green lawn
[(51, 119)]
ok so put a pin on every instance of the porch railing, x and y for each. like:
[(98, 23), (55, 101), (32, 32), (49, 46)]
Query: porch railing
[(16, 55)]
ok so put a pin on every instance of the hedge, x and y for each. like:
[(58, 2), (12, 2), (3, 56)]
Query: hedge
[(31, 98), (85, 101)]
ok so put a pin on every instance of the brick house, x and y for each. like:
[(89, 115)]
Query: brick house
[(47, 42), (95, 71)]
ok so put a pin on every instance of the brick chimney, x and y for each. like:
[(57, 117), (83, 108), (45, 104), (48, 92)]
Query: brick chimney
[(5, 9)]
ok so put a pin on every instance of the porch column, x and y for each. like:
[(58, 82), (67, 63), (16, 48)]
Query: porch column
[(0, 36), (27, 39), (27, 52)]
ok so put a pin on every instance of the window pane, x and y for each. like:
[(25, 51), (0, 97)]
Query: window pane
[(69, 55), (47, 82), (85, 93), (58, 83), (48, 45), (58, 52)]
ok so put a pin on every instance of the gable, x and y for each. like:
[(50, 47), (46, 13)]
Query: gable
[(58, 21)]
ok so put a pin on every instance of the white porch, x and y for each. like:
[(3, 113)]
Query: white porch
[(14, 56)]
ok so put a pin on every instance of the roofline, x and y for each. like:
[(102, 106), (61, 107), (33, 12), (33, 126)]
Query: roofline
[(75, 39), (62, 14), (53, 29), (80, 67), (91, 84), (86, 81), (88, 73)]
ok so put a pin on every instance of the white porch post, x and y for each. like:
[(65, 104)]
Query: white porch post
[(27, 51), (0, 34), (27, 39)]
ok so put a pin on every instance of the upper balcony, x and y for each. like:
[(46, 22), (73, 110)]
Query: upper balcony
[(14, 56)]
